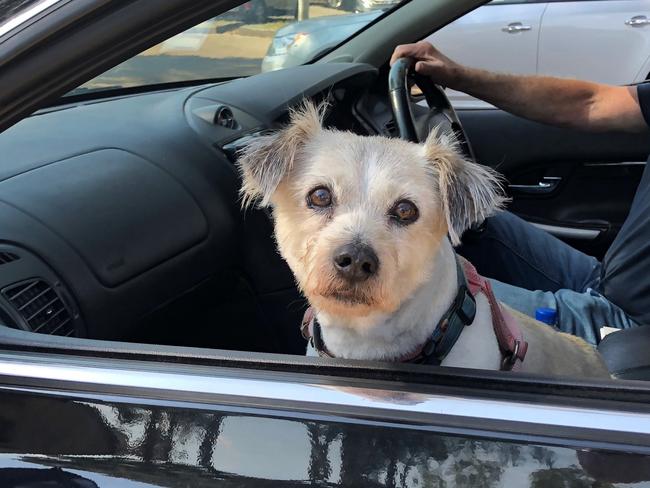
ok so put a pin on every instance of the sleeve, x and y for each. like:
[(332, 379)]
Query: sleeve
[(643, 92)]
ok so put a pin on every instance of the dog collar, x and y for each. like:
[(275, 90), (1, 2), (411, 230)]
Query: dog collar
[(460, 314)]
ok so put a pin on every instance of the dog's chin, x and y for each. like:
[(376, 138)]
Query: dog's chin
[(343, 304), (349, 303)]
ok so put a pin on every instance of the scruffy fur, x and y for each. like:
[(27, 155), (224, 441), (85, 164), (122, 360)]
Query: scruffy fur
[(395, 311)]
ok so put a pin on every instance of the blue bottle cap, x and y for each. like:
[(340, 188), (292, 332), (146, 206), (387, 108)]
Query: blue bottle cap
[(546, 315)]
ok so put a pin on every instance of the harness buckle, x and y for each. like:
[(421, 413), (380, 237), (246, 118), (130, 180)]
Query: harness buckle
[(466, 310), (511, 358)]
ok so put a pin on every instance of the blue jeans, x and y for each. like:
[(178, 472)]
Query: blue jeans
[(530, 268)]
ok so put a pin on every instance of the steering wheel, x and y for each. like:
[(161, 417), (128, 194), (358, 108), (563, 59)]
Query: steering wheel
[(413, 121)]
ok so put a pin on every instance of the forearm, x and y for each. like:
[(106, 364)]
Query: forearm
[(556, 101), (561, 102)]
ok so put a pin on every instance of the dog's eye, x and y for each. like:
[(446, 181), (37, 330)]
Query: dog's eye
[(319, 197), (404, 212)]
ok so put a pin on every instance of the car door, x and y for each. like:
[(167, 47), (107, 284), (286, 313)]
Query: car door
[(277, 421), (605, 41), (500, 36), (576, 185)]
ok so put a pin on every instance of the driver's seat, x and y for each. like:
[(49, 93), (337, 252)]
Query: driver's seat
[(627, 353)]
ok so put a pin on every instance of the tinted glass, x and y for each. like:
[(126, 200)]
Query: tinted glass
[(260, 35)]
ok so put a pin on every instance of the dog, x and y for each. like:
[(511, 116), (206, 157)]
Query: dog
[(367, 224)]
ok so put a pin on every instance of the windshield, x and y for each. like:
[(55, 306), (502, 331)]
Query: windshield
[(258, 36)]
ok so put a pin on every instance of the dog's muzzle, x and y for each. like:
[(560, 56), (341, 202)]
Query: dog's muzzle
[(356, 262)]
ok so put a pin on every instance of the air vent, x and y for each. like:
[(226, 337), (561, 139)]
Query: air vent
[(7, 257), (390, 128), (40, 306), (225, 118)]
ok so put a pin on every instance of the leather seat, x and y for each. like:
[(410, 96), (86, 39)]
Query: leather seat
[(627, 353)]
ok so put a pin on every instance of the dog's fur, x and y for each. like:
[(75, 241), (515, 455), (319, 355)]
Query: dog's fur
[(396, 310)]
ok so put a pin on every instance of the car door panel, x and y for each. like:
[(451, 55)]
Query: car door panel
[(83, 423), (603, 41), (587, 180), (91, 443), (510, 29)]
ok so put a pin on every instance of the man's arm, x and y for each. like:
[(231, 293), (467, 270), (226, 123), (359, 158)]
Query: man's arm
[(562, 102)]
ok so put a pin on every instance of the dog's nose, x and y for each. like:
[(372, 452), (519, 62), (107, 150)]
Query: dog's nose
[(356, 262)]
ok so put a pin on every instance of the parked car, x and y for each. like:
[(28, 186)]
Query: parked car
[(553, 38), (149, 330), (299, 42)]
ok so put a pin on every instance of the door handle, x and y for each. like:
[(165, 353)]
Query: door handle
[(548, 185), (638, 21), (515, 27)]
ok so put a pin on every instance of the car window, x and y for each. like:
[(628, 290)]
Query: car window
[(258, 36)]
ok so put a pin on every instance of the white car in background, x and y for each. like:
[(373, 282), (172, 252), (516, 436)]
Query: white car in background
[(606, 41)]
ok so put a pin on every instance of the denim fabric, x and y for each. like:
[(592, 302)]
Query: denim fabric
[(515, 252), (530, 268), (578, 313)]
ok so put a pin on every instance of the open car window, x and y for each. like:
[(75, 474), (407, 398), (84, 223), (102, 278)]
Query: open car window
[(124, 245)]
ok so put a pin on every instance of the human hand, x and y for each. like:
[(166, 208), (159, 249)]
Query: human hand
[(429, 62)]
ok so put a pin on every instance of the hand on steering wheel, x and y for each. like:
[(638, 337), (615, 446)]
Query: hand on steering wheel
[(440, 114)]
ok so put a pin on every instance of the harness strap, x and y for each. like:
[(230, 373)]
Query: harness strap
[(508, 333), (460, 314), (310, 330)]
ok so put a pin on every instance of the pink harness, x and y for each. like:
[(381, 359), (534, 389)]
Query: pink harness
[(511, 341), (506, 329)]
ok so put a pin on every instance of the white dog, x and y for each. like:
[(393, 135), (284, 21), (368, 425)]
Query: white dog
[(367, 226)]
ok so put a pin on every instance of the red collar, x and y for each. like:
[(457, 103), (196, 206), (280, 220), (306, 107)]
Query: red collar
[(511, 342)]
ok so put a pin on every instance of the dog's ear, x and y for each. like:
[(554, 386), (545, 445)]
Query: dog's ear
[(266, 160), (469, 192)]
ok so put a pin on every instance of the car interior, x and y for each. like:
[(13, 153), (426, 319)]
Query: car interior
[(121, 218)]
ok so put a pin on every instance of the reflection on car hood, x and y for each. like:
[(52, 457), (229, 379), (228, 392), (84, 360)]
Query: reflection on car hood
[(329, 22)]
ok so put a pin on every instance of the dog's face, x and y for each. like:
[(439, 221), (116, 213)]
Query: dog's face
[(360, 219)]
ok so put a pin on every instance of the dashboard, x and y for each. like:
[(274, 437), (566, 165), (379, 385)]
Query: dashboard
[(113, 209)]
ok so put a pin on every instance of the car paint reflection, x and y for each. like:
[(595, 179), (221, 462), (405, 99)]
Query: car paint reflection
[(189, 445)]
